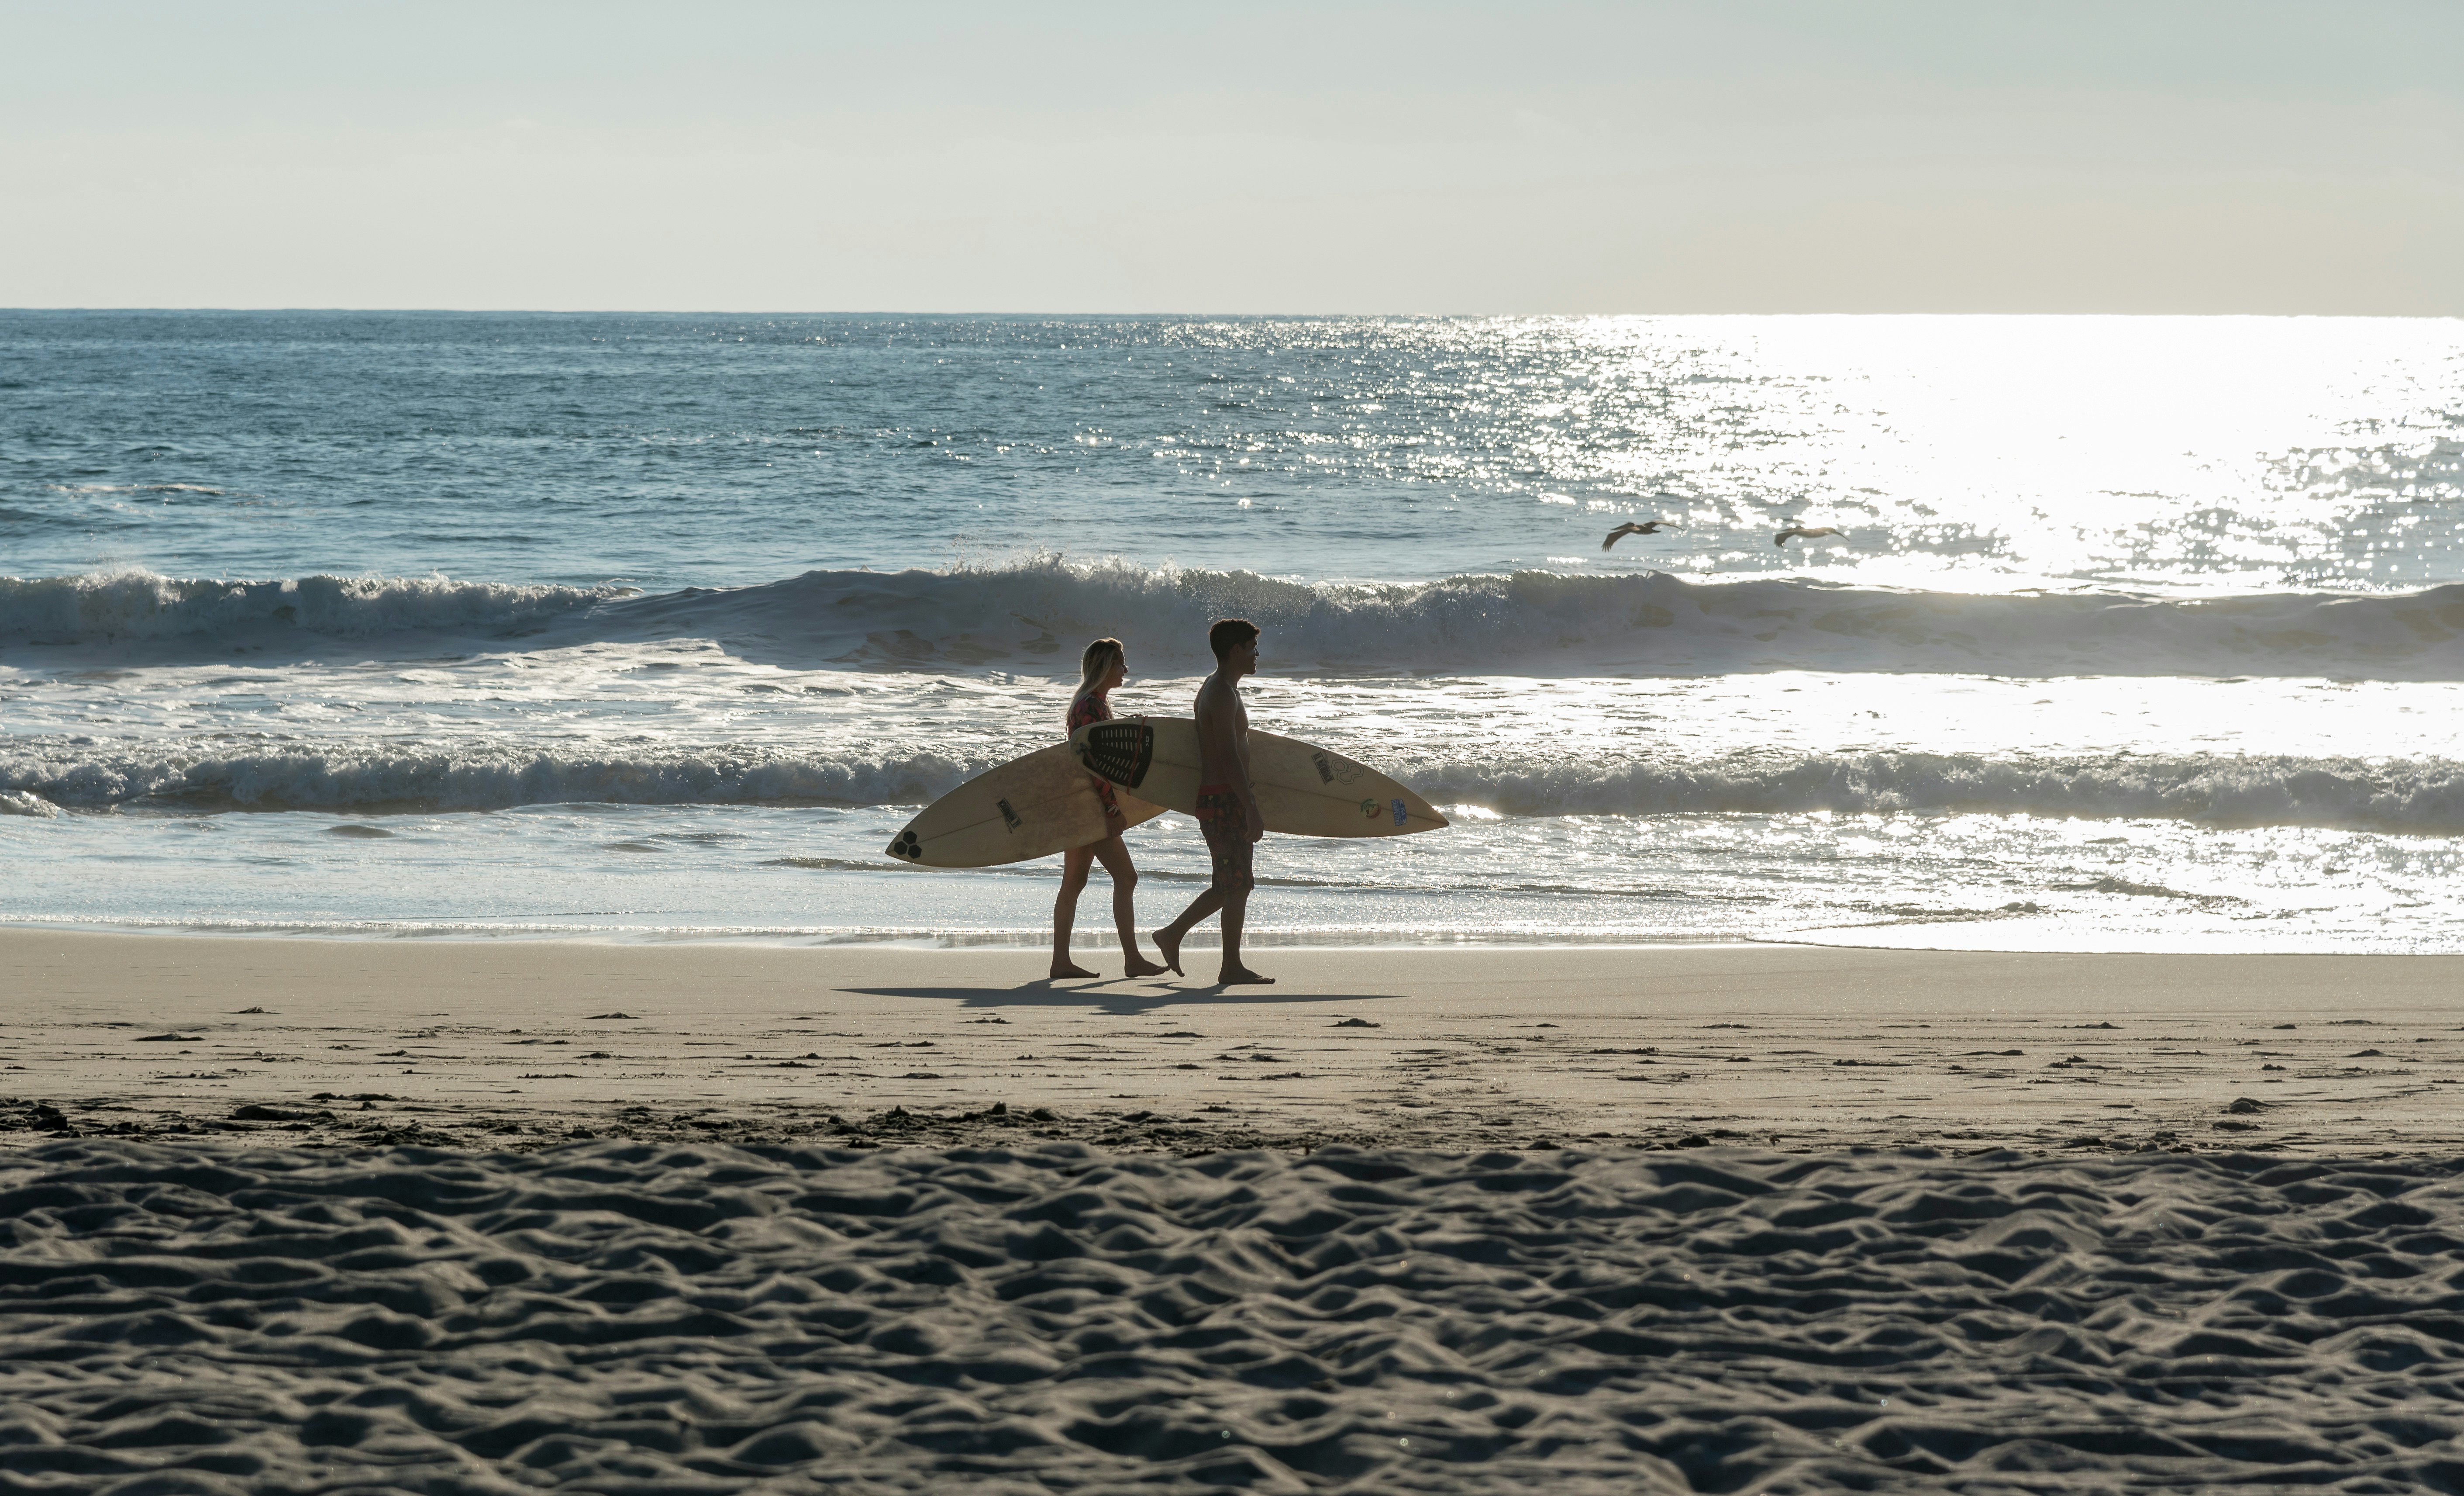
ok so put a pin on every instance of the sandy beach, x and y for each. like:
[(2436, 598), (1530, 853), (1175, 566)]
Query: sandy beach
[(512, 1043), (558, 568), (500, 1217)]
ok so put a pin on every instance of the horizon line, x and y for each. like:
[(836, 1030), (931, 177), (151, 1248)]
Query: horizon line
[(532, 311)]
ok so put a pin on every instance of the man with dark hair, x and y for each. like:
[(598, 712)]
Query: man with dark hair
[(1227, 806)]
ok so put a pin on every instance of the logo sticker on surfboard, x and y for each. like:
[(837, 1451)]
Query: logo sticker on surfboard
[(1369, 810), (1011, 815), (1401, 815)]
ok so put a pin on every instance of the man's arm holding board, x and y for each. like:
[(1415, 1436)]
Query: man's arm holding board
[(1240, 752)]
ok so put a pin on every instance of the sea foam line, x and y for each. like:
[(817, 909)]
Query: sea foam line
[(2418, 797)]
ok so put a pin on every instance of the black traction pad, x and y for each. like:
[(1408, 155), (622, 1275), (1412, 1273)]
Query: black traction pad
[(1120, 751)]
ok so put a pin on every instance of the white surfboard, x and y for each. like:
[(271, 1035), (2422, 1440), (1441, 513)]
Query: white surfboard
[(1027, 808), (1304, 790)]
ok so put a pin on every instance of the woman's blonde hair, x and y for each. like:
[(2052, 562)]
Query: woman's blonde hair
[(1097, 662)]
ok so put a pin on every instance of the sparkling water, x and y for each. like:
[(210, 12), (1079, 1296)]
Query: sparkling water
[(2136, 634)]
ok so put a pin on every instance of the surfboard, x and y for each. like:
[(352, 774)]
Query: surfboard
[(1304, 790), (1027, 808)]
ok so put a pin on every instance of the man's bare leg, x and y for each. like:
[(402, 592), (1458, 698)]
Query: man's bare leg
[(1236, 914), (1169, 938)]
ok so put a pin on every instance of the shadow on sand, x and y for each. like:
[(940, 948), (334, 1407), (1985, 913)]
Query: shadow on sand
[(1118, 995)]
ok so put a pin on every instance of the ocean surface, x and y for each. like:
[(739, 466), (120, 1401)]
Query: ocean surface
[(2138, 633)]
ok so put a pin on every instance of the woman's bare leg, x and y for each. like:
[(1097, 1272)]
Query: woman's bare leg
[(1074, 863), (1114, 855)]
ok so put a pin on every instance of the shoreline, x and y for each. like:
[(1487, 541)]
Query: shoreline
[(806, 938), (526, 1043), (1812, 937)]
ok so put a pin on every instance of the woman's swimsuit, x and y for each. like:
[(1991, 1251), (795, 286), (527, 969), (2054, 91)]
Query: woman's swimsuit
[(1085, 708)]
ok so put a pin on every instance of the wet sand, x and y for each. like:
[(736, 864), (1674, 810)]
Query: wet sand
[(516, 1044)]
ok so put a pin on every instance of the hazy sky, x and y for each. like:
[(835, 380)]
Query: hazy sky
[(1749, 156)]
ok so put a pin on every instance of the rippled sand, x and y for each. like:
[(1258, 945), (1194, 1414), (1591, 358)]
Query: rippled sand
[(645, 1317)]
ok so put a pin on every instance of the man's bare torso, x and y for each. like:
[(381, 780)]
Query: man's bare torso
[(1224, 735)]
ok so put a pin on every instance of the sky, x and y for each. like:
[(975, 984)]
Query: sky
[(2154, 156)]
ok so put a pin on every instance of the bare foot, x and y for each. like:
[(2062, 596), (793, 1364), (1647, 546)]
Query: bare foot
[(1242, 976), (1140, 966), (1062, 969), (1168, 944)]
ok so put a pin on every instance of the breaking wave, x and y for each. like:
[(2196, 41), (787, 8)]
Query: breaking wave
[(2424, 796), (464, 779), (119, 607), (1032, 618)]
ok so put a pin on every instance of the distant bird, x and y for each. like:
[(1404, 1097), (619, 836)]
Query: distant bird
[(1800, 533), (1646, 527)]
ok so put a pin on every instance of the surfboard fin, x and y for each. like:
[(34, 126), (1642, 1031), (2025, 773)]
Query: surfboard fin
[(1120, 751)]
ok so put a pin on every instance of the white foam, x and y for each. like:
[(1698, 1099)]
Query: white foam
[(2422, 796), (2418, 797), (19, 802), (475, 778), (138, 488)]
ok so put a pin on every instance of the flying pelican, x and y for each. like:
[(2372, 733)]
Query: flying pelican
[(1646, 527), (1794, 532)]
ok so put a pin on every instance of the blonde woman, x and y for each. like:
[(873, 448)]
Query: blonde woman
[(1105, 665)]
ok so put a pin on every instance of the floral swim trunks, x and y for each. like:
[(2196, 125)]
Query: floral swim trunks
[(1225, 823)]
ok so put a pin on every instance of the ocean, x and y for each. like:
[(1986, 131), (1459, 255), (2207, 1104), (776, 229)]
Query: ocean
[(2138, 633)]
